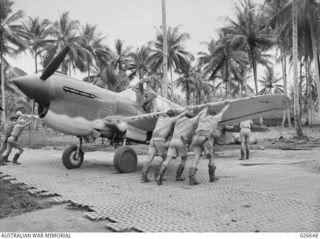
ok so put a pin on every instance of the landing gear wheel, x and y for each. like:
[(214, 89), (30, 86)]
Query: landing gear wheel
[(125, 160), (70, 159)]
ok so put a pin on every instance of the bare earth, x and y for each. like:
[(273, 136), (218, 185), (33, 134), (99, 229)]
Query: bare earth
[(21, 211)]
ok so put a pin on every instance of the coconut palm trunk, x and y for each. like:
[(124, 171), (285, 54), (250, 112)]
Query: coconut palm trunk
[(254, 69), (308, 85), (165, 52), (36, 61), (285, 88), (171, 83), (3, 105), (315, 56), (297, 121), (300, 88), (227, 80)]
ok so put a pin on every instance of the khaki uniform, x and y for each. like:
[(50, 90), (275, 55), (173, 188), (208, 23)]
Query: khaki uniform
[(184, 128), (158, 144), (245, 133), (12, 140), (203, 139), (6, 134), (161, 131)]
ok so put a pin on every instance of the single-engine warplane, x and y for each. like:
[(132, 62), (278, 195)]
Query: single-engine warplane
[(78, 108)]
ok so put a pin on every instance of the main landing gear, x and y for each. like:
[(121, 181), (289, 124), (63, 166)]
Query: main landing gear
[(125, 158), (73, 156)]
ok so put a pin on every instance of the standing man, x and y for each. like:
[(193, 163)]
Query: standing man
[(178, 146), (159, 140), (12, 141), (245, 133), (203, 141)]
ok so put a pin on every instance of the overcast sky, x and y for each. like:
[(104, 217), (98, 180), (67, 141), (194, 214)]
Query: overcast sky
[(134, 20)]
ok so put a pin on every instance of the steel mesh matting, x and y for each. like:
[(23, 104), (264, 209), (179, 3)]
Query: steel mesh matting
[(271, 193)]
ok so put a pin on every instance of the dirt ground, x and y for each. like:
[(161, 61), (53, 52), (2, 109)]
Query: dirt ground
[(21, 211)]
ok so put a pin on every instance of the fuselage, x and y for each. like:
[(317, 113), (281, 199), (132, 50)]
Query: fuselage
[(75, 107)]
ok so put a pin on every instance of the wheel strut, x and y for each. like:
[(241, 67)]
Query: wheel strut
[(79, 148)]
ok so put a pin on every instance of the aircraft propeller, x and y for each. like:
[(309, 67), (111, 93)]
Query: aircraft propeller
[(54, 63)]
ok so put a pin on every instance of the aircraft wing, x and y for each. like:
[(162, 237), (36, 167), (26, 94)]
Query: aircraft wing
[(250, 107), (239, 110), (145, 122)]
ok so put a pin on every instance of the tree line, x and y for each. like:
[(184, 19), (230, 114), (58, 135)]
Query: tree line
[(252, 39)]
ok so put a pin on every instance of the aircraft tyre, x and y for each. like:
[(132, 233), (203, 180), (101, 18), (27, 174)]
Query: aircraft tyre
[(125, 159), (69, 158)]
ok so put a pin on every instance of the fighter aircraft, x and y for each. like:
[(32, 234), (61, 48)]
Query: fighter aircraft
[(78, 108)]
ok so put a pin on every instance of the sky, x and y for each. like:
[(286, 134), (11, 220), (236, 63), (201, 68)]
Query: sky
[(133, 21)]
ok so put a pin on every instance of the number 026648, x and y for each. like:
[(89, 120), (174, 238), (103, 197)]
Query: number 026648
[(308, 235)]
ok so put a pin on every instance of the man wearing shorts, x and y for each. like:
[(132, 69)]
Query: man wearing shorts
[(6, 134), (245, 133), (12, 141), (159, 141), (178, 146), (203, 141)]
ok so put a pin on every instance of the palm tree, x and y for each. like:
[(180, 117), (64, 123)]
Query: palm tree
[(37, 31), (250, 30), (227, 57), (307, 31), (204, 57), (139, 65), (121, 59), (270, 84), (92, 41), (203, 90), (113, 80), (187, 80), (65, 32), (279, 24), (12, 39), (154, 81), (177, 55)]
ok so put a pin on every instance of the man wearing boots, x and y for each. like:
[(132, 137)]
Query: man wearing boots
[(12, 141), (160, 137), (6, 134), (245, 133), (206, 131), (178, 145)]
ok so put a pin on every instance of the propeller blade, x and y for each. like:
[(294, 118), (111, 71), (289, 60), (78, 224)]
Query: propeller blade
[(54, 63)]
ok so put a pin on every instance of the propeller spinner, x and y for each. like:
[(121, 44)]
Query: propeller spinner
[(37, 89)]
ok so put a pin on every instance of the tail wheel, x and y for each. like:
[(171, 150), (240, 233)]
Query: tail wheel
[(125, 160), (71, 159)]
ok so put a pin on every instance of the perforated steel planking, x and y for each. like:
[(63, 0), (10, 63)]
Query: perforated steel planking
[(269, 197)]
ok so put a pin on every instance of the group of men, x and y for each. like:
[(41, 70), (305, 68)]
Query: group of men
[(9, 139), (175, 133)]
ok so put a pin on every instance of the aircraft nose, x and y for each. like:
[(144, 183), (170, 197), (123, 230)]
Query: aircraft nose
[(33, 87)]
